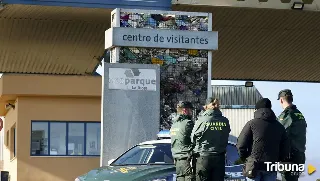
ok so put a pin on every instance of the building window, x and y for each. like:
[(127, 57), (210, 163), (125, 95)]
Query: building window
[(56, 138), (76, 139), (13, 141), (39, 138), (58, 135), (93, 139), (7, 138)]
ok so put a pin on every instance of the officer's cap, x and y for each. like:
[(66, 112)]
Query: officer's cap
[(285, 92), (185, 104)]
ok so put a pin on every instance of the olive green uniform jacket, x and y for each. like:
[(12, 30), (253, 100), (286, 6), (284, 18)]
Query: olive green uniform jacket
[(210, 133), (296, 127), (180, 132)]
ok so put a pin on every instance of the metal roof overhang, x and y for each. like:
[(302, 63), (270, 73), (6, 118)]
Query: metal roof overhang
[(109, 4), (51, 39), (264, 44), (58, 37), (254, 44)]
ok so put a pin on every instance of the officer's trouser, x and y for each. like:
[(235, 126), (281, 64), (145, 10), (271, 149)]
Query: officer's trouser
[(210, 168), (297, 158), (183, 170), (290, 176)]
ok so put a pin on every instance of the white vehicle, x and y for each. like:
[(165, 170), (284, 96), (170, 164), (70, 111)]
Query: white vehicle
[(152, 161)]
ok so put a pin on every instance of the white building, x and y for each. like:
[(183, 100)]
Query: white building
[(237, 104)]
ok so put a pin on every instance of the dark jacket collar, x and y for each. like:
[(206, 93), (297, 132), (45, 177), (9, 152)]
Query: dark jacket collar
[(212, 112), (180, 117), (292, 106)]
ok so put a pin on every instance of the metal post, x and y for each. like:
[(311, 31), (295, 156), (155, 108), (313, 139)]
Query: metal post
[(209, 93), (115, 22)]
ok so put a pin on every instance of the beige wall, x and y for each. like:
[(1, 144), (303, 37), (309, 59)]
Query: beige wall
[(9, 163), (50, 108), (20, 85), (48, 85), (46, 98), (1, 165)]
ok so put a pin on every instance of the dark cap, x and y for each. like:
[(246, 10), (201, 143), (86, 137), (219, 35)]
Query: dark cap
[(285, 92), (263, 103), (211, 100), (185, 104)]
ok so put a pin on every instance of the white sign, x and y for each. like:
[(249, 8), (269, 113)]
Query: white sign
[(132, 79), (160, 38)]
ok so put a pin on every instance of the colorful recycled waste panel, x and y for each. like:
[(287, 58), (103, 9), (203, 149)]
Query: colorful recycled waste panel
[(158, 21), (184, 73)]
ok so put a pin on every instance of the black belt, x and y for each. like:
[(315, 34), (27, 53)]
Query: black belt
[(212, 154), (183, 158)]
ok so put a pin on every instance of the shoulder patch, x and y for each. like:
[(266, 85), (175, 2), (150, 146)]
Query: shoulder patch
[(299, 116)]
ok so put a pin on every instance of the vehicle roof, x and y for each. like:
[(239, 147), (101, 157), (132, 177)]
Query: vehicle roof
[(167, 141)]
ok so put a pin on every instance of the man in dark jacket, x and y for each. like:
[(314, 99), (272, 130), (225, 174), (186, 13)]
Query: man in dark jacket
[(181, 146), (262, 140), (295, 124), (210, 136)]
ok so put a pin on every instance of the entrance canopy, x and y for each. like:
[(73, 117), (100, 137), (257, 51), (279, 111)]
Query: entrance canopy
[(254, 44), (264, 44), (52, 40)]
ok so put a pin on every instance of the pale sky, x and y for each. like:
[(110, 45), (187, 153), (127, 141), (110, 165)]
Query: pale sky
[(305, 97), (302, 92)]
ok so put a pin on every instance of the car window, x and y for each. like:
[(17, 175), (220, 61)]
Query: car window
[(232, 155), (146, 154), (162, 154), (136, 155)]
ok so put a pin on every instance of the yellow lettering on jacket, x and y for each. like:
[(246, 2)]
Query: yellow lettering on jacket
[(173, 131), (216, 126)]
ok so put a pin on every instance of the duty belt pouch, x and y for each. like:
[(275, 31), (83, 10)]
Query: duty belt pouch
[(250, 169), (193, 165)]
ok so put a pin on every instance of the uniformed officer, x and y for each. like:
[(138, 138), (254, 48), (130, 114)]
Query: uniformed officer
[(294, 122), (181, 145), (210, 136)]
